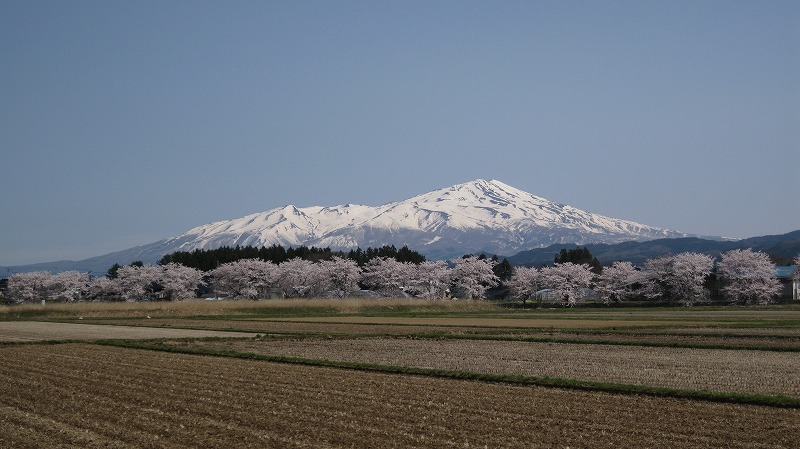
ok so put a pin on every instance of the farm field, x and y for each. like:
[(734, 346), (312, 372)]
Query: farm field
[(397, 373), (763, 372), (83, 395), (758, 338), (27, 331)]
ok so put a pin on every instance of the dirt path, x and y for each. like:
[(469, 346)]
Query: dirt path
[(22, 331)]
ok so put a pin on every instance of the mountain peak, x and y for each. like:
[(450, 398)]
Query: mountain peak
[(472, 217), (475, 216)]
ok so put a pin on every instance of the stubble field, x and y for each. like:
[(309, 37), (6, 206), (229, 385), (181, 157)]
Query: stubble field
[(397, 374)]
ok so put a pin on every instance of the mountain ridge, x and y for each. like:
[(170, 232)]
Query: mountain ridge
[(785, 246), (477, 216), (472, 217)]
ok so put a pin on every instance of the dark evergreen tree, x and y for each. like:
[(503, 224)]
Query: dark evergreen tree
[(209, 259), (503, 270), (405, 254), (112, 272), (359, 256), (579, 256)]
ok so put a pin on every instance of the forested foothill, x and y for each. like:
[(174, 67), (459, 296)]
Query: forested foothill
[(208, 259), (575, 277)]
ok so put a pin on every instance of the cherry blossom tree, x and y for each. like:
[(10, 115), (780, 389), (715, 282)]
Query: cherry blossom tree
[(617, 281), (796, 275), (41, 285), (796, 263), (67, 286), (301, 278), (567, 280), (28, 287), (655, 276), (748, 276), (680, 277), (103, 288), (179, 281), (387, 276), (689, 274), (430, 279), (524, 283), (341, 275), (245, 278), (137, 282), (472, 276)]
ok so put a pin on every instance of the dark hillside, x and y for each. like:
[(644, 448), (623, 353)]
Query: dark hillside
[(784, 246)]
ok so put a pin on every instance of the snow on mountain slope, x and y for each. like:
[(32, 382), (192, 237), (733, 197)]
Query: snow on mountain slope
[(476, 216)]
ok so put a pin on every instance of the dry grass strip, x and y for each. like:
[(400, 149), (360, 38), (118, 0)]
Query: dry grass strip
[(197, 307)]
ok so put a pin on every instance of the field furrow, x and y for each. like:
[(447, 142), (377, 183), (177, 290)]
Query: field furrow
[(80, 395), (742, 371)]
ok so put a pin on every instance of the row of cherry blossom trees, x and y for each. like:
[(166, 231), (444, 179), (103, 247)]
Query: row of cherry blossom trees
[(746, 276), (468, 277), (135, 282)]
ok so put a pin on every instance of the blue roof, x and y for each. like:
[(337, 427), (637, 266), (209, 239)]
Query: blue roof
[(785, 271)]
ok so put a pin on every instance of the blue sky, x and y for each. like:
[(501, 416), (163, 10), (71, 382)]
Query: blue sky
[(122, 123)]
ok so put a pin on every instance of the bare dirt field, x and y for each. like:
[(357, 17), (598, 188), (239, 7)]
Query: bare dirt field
[(295, 327), (22, 331), (90, 395), (742, 371), (544, 322), (747, 338), (686, 313), (81, 395)]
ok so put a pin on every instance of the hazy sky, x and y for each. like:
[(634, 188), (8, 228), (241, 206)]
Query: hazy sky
[(126, 122)]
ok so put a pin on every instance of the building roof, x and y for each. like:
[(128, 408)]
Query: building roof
[(785, 271)]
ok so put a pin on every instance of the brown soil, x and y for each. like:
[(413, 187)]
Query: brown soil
[(22, 331), (754, 340), (743, 371), (541, 323), (750, 338), (80, 395)]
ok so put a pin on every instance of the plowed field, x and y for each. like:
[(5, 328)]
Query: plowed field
[(80, 395), (23, 331), (740, 371), (543, 323), (749, 338)]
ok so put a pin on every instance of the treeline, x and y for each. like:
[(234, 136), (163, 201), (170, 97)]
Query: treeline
[(579, 256), (209, 259)]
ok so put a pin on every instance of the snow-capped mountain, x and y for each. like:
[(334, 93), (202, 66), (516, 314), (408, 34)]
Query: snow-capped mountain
[(477, 216)]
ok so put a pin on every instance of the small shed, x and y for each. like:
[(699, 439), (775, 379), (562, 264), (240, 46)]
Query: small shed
[(790, 282)]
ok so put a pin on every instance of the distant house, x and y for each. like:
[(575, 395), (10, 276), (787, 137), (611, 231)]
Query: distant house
[(789, 283)]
